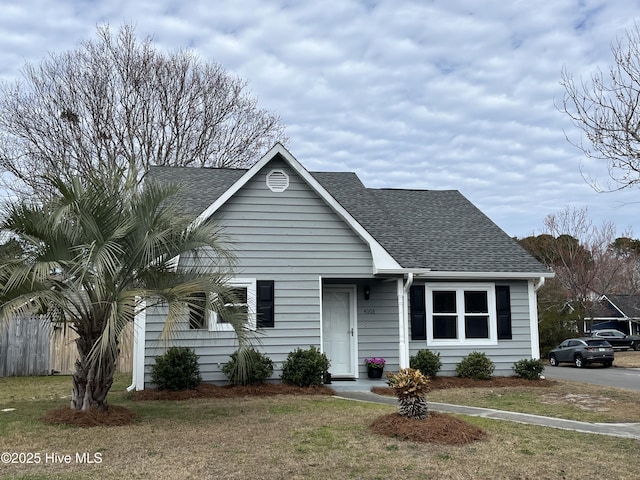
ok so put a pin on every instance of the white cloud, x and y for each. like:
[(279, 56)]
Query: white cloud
[(406, 93)]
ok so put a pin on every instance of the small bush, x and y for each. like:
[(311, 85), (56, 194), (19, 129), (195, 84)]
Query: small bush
[(529, 368), (258, 367), (476, 365), (410, 386), (304, 368), (177, 369), (427, 362), (408, 382)]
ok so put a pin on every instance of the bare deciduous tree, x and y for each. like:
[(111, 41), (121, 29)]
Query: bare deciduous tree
[(116, 102), (607, 111), (580, 254)]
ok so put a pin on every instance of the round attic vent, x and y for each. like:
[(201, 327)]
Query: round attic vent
[(277, 181)]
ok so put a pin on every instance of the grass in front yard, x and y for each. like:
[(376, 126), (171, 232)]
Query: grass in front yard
[(570, 400), (627, 359), (287, 437)]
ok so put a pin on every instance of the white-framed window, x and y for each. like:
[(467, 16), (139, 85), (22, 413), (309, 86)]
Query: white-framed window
[(242, 301), (461, 314)]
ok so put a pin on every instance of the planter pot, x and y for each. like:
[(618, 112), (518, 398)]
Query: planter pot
[(374, 372)]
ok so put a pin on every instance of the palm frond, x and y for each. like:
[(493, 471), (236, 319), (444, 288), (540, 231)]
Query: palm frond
[(97, 246)]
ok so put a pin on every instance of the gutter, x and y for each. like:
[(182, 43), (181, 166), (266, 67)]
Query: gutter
[(429, 274)]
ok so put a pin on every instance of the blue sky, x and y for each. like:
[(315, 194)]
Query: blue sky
[(408, 94)]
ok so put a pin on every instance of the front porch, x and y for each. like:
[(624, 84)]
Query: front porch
[(358, 385)]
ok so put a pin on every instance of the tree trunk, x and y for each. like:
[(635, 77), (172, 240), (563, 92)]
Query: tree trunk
[(91, 380), (412, 406)]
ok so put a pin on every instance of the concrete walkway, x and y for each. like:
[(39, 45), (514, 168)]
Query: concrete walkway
[(623, 430)]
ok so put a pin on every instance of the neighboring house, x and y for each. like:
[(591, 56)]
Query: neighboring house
[(355, 271), (621, 312)]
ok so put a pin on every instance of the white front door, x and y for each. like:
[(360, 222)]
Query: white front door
[(338, 329)]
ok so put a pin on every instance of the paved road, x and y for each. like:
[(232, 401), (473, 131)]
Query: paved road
[(597, 375)]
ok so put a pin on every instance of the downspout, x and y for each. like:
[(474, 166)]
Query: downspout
[(139, 326), (540, 284), (403, 309)]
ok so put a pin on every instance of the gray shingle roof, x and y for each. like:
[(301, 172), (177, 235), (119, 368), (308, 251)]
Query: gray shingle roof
[(199, 187), (436, 229), (439, 230)]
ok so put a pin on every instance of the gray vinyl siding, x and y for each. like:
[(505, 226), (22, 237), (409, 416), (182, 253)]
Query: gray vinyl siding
[(293, 238), (378, 328), (506, 352)]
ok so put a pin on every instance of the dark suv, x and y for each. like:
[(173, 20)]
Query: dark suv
[(582, 351), (617, 339)]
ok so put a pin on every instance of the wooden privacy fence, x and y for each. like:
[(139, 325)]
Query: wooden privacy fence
[(30, 345)]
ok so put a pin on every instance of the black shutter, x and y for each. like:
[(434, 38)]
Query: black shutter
[(503, 304), (418, 313), (264, 303)]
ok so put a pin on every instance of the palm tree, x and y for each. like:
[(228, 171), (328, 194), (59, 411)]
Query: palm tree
[(410, 386), (94, 252)]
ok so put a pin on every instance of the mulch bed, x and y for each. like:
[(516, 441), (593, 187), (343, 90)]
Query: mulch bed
[(112, 416), (441, 383), (436, 428), (440, 427), (207, 390)]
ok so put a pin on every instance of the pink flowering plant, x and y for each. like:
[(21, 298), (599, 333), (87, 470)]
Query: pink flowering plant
[(375, 362)]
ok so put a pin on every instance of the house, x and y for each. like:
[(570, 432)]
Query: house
[(355, 271), (621, 312)]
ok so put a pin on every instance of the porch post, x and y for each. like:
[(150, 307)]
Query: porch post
[(403, 320), (139, 326), (533, 315)]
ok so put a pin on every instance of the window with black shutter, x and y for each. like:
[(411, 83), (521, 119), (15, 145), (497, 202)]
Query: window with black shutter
[(418, 313), (503, 307), (264, 303)]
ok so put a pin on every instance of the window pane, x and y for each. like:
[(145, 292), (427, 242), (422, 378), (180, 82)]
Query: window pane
[(234, 311), (236, 305), (196, 312), (444, 326), (475, 302), (444, 302), (476, 326), (236, 295)]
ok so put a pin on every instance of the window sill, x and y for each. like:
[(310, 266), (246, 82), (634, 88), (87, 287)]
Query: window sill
[(465, 343)]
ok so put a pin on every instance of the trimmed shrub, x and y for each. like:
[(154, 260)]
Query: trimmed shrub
[(410, 386), (529, 368), (305, 367), (427, 362), (476, 365), (259, 367), (177, 369)]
